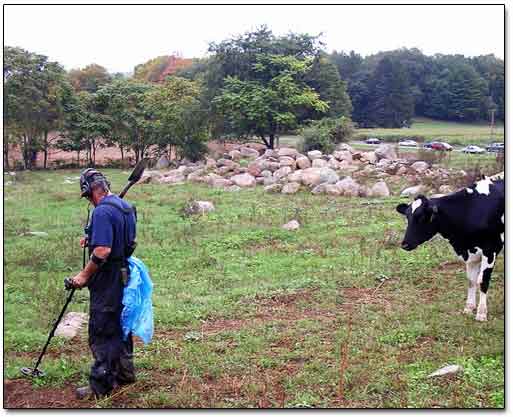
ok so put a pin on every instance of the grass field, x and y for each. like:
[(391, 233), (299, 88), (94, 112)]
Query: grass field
[(249, 315)]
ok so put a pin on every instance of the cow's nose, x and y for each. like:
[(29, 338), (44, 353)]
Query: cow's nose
[(405, 246)]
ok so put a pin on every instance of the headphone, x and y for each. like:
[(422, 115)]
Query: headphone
[(88, 178)]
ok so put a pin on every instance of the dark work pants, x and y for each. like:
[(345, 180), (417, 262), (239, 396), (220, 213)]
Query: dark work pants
[(113, 358)]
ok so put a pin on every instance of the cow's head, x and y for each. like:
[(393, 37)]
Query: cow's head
[(422, 222)]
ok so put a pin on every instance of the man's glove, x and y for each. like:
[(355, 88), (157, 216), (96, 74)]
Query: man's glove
[(68, 283)]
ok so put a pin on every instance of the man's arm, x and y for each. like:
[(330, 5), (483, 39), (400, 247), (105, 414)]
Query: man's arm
[(80, 280)]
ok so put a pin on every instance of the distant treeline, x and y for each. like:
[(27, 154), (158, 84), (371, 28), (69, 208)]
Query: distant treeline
[(447, 87)]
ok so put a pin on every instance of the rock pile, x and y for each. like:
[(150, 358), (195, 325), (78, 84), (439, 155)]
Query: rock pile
[(345, 172)]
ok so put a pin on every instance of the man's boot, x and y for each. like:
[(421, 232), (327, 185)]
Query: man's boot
[(84, 393)]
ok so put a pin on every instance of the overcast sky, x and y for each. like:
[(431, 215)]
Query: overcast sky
[(120, 37)]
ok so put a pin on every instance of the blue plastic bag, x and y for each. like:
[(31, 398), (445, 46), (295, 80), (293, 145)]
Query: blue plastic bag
[(137, 313)]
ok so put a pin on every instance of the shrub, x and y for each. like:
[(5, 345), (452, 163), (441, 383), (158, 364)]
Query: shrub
[(326, 133)]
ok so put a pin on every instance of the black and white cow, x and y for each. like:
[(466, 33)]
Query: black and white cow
[(472, 219)]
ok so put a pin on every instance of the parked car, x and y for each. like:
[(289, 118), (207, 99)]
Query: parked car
[(373, 141), (472, 149), (495, 147), (438, 146), (408, 143)]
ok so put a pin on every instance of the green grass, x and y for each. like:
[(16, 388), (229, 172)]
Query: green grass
[(429, 129), (250, 315)]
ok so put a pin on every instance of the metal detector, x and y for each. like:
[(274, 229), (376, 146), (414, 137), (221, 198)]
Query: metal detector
[(35, 372)]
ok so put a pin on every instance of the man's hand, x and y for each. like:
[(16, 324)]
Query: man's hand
[(79, 280), (83, 241)]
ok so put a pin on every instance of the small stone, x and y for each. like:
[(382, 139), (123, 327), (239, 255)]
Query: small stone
[(446, 370), (291, 188), (380, 189), (314, 155), (244, 180), (273, 188), (292, 225), (199, 207)]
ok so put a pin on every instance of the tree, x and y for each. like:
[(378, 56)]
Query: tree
[(391, 104), (157, 69), (90, 78), (178, 118), (33, 89), (257, 84)]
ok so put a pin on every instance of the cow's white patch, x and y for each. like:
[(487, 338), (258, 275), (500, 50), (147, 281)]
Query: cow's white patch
[(470, 190), (415, 205), (483, 186), (482, 309), (502, 237), (502, 219)]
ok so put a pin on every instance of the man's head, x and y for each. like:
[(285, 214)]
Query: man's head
[(93, 185), (422, 222)]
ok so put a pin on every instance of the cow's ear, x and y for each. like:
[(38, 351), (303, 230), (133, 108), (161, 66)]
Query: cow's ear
[(401, 208), (421, 197), (434, 212)]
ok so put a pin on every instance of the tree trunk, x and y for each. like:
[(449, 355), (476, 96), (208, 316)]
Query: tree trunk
[(122, 154), (45, 149), (6, 155), (271, 141)]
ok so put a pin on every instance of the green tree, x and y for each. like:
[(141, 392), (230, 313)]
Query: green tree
[(257, 84), (33, 91)]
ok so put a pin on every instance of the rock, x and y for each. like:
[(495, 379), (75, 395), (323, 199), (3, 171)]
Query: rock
[(211, 163), (401, 170), (209, 179), (270, 153), (383, 163), (235, 155), (270, 180), (445, 189), (71, 325), (328, 176), (244, 180), (287, 152), (199, 207), (233, 188), (223, 162), (314, 155), (273, 188), (364, 191), (266, 173), (380, 189), (196, 176), (369, 157), (287, 161), (345, 147), (333, 164), (319, 189), (348, 187), (223, 170), (37, 234), (420, 166), (259, 147), (172, 179), (162, 163), (282, 172), (296, 176), (385, 151), (343, 155), (413, 191), (292, 225), (291, 188), (255, 168), (221, 183), (446, 370), (303, 162), (332, 189), (319, 163), (311, 176), (270, 165), (250, 153)]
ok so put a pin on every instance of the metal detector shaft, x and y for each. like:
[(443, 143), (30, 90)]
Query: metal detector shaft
[(70, 296)]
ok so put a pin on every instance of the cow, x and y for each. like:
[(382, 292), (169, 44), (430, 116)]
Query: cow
[(472, 220)]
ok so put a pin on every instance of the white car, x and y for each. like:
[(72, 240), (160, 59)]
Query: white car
[(408, 143), (473, 149)]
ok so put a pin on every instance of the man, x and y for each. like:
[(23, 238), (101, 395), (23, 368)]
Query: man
[(111, 240)]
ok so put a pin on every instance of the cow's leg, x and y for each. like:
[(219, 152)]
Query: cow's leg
[(485, 274), (473, 269)]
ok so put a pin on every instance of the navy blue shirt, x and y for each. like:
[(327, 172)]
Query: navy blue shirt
[(113, 228)]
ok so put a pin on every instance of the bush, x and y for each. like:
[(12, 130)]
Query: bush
[(325, 134)]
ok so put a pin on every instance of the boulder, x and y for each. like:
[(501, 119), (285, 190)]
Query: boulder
[(273, 188), (172, 179), (199, 207), (420, 166), (413, 191), (447, 370), (291, 188), (235, 155), (196, 176), (211, 177), (292, 225), (255, 168), (210, 163), (71, 325), (369, 157), (314, 155), (223, 162), (223, 170), (270, 153), (401, 170), (385, 151), (221, 183), (380, 189), (311, 176), (303, 162), (348, 187), (266, 173), (343, 155), (319, 163), (270, 165), (296, 176), (333, 164), (269, 181), (287, 152), (328, 176), (319, 189), (162, 163), (287, 161), (332, 189), (345, 147), (244, 180), (282, 172), (249, 153), (259, 147)]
